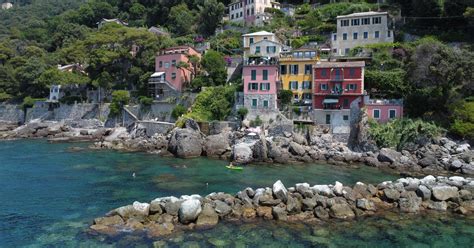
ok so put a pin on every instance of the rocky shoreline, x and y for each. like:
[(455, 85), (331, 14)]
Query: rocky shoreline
[(301, 203), (277, 143)]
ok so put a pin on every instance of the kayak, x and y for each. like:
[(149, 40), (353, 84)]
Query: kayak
[(234, 168)]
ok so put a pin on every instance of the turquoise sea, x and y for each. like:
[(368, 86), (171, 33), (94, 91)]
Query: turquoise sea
[(50, 193)]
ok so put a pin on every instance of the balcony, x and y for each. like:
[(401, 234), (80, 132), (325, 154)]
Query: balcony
[(261, 61)]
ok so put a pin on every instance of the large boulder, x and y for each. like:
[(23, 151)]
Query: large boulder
[(296, 149), (189, 210), (341, 211), (136, 210), (208, 217), (185, 143), (443, 193), (279, 213), (222, 208), (217, 145), (242, 153), (410, 203), (365, 204), (280, 191), (389, 155)]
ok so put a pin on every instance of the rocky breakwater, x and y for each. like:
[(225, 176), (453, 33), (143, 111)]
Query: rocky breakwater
[(56, 131), (301, 203)]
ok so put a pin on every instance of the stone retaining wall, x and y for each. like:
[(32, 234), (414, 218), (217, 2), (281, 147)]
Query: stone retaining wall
[(156, 127), (303, 203), (11, 113)]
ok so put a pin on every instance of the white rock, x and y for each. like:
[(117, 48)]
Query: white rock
[(189, 210), (280, 191), (338, 188), (143, 208), (322, 189), (428, 180)]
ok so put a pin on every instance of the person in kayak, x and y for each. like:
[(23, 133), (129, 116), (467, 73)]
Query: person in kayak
[(231, 165)]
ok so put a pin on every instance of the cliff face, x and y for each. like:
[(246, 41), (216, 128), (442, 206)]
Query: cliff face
[(359, 140)]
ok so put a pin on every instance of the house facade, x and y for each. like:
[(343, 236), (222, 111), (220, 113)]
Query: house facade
[(252, 38), (260, 87), (360, 29), (338, 91), (167, 63), (296, 70), (267, 48), (246, 11), (384, 110)]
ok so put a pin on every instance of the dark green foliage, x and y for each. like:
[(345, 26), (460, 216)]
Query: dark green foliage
[(242, 112), (257, 122), (214, 64), (463, 119), (400, 132), (213, 103), (28, 102), (119, 99), (285, 97), (178, 111), (145, 101)]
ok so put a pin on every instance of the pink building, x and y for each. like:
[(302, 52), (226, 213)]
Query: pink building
[(260, 86), (384, 110), (166, 61)]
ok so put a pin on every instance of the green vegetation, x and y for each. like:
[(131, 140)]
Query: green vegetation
[(463, 119), (119, 99), (400, 132), (242, 112), (285, 97), (28, 102), (178, 111), (145, 101), (213, 103), (257, 122)]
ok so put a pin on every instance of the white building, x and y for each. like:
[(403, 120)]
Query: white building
[(360, 29), (247, 11), (6, 6)]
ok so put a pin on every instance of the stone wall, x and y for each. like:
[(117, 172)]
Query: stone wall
[(11, 113), (271, 98), (53, 112), (155, 127)]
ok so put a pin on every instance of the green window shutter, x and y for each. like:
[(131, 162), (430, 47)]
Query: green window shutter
[(265, 74), (250, 86)]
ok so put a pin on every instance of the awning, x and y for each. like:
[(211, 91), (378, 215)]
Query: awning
[(330, 101), (157, 74)]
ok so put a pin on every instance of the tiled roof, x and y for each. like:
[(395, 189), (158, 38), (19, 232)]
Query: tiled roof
[(339, 64)]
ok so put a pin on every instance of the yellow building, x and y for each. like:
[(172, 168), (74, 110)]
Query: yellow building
[(296, 72)]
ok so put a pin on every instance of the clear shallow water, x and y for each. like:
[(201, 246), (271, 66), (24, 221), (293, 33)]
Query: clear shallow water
[(50, 193)]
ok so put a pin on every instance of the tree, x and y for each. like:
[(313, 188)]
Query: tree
[(210, 16), (426, 8), (178, 111), (463, 119), (119, 99), (214, 64), (181, 20), (285, 97), (242, 112)]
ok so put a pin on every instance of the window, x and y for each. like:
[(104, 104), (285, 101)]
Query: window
[(392, 113), (241, 13), (294, 69), (253, 75), (366, 35), (161, 64), (265, 86), (377, 34), (253, 86), (328, 119), (308, 69), (265, 38), (351, 87), (265, 75), (344, 23), (307, 96), (355, 22), (173, 62), (251, 40), (324, 86), (389, 34), (345, 102), (283, 69), (334, 37), (344, 36), (271, 49), (167, 65), (365, 21), (232, 16), (173, 75), (248, 12), (345, 117), (306, 85), (293, 85), (254, 103), (376, 20), (354, 36), (265, 103), (352, 72), (376, 113), (346, 51), (323, 73), (257, 49)]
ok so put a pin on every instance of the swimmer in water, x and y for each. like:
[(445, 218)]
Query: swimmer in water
[(133, 175)]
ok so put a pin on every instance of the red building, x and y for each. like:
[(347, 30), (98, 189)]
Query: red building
[(338, 84)]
